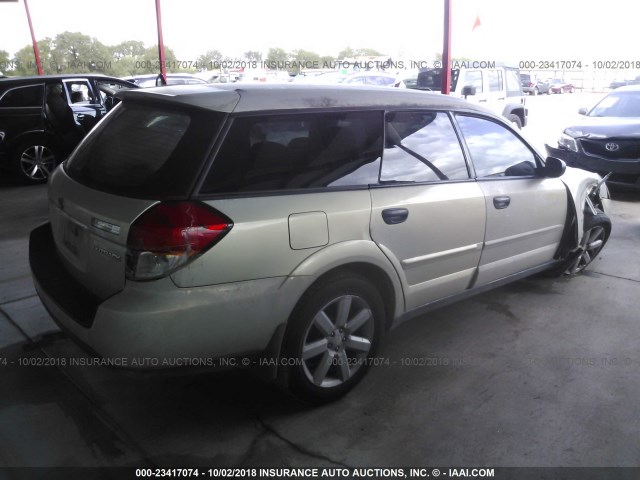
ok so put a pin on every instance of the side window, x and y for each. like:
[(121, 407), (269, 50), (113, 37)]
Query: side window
[(108, 88), (299, 151), (79, 91), (30, 96), (421, 147), (495, 151), (514, 88), (474, 78), (496, 83)]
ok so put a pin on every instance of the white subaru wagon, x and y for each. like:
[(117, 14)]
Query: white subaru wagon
[(296, 224)]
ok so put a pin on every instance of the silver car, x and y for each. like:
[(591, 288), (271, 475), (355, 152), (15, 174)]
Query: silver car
[(287, 227)]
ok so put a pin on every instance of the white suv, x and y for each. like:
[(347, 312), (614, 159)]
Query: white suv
[(499, 89)]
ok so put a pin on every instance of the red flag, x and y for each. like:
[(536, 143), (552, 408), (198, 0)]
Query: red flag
[(476, 23)]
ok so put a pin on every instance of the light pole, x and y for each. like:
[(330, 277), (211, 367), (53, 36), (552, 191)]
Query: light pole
[(446, 49), (163, 67)]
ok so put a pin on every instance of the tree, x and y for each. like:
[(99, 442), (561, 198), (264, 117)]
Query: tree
[(346, 53), (25, 61), (367, 52), (210, 60), (80, 53), (130, 48), (277, 58), (69, 52), (150, 63), (253, 56), (327, 62), (5, 61)]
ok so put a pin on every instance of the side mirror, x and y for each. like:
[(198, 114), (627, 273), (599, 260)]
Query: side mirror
[(582, 111), (468, 90), (553, 167)]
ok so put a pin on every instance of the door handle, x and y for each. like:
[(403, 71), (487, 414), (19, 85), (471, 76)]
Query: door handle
[(393, 216), (501, 202), (80, 116)]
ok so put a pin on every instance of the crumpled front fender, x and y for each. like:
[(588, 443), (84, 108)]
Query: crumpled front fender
[(579, 183)]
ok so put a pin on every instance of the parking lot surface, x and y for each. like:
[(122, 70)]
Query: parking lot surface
[(543, 372)]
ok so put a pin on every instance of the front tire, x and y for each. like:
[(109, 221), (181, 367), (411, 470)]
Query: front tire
[(596, 231), (332, 333)]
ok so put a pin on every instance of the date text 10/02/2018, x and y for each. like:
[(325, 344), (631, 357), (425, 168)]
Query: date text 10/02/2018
[(579, 64)]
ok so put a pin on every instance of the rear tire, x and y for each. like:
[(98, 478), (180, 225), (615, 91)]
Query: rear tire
[(332, 334), (33, 161)]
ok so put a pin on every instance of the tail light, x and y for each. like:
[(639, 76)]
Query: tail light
[(170, 235)]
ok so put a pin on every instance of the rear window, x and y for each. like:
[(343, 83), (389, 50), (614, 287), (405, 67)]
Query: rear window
[(298, 151), (144, 150)]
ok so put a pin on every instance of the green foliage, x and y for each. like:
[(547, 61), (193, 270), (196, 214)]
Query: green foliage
[(209, 60), (346, 53), (4, 60), (74, 52), (253, 56), (277, 56)]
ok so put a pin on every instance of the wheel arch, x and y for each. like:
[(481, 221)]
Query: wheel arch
[(578, 183), (361, 257), (31, 135), (376, 276), (518, 110)]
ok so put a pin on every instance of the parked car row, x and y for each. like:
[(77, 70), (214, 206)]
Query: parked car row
[(623, 83), (536, 86)]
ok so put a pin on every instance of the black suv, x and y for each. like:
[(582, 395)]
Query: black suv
[(43, 118)]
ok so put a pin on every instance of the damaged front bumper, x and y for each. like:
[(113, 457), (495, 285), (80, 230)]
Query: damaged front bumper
[(624, 173)]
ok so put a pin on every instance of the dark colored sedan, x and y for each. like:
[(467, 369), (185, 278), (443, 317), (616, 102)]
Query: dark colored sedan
[(607, 140)]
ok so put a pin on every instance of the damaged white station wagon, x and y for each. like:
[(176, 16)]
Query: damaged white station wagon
[(297, 223)]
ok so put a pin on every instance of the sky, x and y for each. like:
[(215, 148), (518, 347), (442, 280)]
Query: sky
[(509, 31)]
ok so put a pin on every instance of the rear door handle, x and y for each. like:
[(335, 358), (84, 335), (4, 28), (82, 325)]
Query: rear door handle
[(501, 202), (393, 216)]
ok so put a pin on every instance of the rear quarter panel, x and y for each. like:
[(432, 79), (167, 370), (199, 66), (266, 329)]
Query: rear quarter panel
[(264, 242)]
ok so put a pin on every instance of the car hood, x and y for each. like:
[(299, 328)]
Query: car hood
[(605, 127)]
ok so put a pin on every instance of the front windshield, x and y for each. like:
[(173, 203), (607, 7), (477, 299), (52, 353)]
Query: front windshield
[(618, 104)]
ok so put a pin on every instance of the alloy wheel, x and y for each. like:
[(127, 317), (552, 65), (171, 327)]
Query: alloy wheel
[(37, 162), (338, 341), (593, 242)]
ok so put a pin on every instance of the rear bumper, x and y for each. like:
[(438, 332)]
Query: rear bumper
[(153, 325), (623, 173)]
